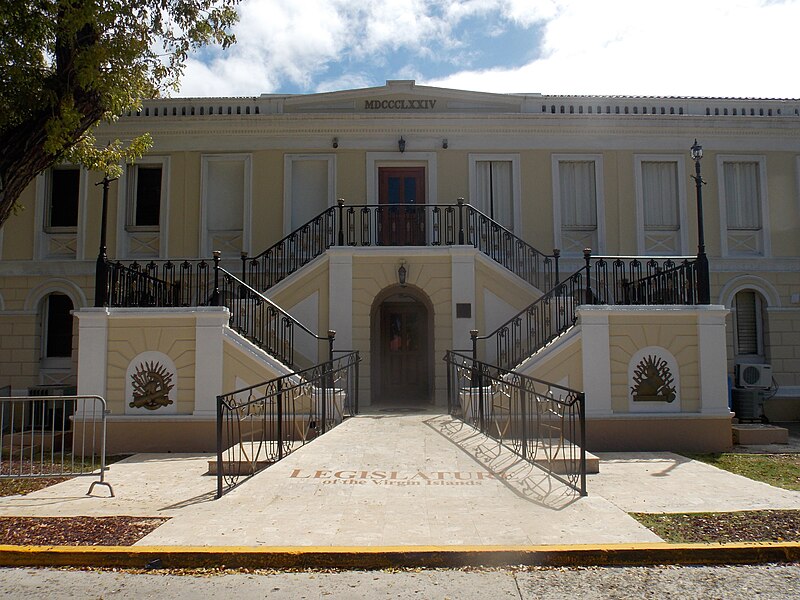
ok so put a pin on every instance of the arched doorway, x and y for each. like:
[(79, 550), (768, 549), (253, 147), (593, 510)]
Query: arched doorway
[(402, 328)]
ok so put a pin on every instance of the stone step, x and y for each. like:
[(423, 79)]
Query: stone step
[(758, 434)]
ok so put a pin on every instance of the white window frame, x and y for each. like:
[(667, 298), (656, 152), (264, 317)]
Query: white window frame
[(761, 160), (247, 202), (288, 161), (683, 235), (516, 185), (44, 182), (124, 230), (599, 200), (761, 342)]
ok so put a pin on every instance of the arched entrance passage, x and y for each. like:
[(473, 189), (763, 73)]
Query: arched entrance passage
[(402, 347)]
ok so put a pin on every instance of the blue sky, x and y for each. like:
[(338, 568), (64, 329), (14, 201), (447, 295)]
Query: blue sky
[(739, 48)]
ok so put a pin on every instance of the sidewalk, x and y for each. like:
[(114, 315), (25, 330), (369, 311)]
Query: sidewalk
[(347, 489)]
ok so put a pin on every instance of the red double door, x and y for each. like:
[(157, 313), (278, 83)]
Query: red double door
[(401, 196)]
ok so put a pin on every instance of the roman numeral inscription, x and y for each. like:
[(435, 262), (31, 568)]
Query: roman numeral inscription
[(403, 104)]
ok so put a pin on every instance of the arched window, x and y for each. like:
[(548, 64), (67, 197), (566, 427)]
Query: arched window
[(57, 339), (749, 325)]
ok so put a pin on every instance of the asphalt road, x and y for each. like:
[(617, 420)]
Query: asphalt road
[(765, 582)]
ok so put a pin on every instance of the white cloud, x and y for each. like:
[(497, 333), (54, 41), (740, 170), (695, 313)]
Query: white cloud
[(707, 48), (682, 47)]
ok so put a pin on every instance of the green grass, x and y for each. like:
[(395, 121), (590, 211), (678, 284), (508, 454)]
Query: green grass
[(780, 470)]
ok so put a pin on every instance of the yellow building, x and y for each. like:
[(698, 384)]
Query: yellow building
[(239, 175)]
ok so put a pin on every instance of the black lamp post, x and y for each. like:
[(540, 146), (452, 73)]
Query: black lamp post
[(703, 285), (101, 271)]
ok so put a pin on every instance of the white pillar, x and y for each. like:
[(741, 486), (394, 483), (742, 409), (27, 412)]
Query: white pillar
[(92, 351), (208, 367), (463, 292), (340, 298), (596, 360), (713, 360)]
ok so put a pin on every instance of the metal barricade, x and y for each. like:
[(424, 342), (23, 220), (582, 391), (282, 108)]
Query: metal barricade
[(53, 436)]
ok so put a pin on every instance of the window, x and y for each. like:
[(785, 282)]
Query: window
[(58, 326), (749, 327), (661, 204), (226, 203), (495, 188), (577, 182), (62, 199), (144, 196), (743, 206), (143, 223), (309, 187)]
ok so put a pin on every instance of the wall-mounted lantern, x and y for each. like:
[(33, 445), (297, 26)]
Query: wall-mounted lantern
[(401, 144), (335, 143), (402, 273)]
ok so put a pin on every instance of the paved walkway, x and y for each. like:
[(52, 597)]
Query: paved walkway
[(347, 488)]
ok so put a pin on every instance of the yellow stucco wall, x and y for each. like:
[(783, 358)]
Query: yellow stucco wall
[(127, 338), (428, 276), (678, 335)]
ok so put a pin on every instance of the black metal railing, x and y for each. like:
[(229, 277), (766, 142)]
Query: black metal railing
[(642, 280), (162, 283), (263, 322), (400, 225), (261, 424), (535, 326), (540, 422), (627, 280)]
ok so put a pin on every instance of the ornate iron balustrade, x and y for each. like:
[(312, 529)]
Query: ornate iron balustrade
[(515, 254), (540, 422), (536, 325), (642, 280), (261, 424), (260, 320), (369, 225), (161, 283)]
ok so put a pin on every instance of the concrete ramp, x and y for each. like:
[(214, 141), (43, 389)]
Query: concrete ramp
[(386, 479)]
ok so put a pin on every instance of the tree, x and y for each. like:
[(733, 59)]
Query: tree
[(68, 65)]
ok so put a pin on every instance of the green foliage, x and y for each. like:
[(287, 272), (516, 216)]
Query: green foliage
[(67, 65)]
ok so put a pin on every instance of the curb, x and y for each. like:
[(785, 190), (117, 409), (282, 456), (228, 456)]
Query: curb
[(379, 557)]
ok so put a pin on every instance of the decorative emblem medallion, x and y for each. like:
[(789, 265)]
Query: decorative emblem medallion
[(151, 385), (653, 381)]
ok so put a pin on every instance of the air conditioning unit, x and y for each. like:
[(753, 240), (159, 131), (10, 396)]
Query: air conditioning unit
[(753, 376)]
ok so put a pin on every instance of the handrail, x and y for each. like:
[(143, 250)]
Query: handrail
[(621, 280), (365, 225), (258, 318), (261, 424), (541, 422), (536, 325)]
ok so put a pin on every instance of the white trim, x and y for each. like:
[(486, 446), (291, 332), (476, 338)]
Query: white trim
[(288, 160), (638, 159), (749, 282), (766, 248), (600, 199), (462, 291), (123, 236), (44, 183), (58, 286), (402, 159), (247, 201), (516, 186)]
